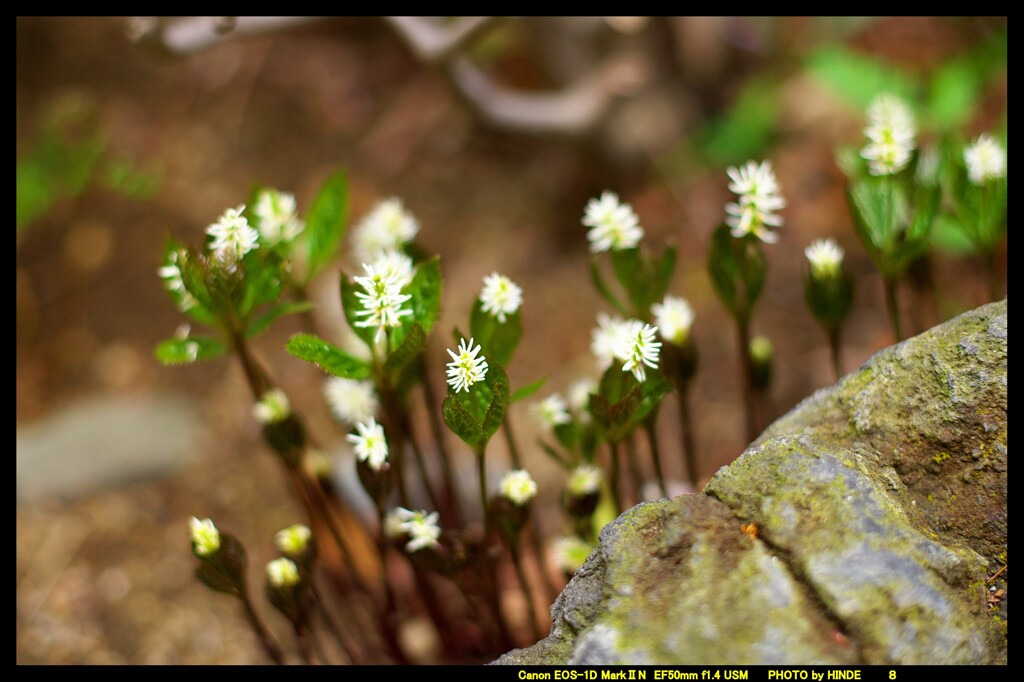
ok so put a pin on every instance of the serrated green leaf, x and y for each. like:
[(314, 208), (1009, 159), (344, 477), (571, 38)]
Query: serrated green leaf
[(262, 282), (497, 382), (461, 422), (949, 236), (186, 351), (351, 305), (526, 391), (413, 344), (425, 290), (193, 269), (263, 322), (326, 222), (328, 357)]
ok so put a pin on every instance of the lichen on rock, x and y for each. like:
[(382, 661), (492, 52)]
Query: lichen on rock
[(880, 505)]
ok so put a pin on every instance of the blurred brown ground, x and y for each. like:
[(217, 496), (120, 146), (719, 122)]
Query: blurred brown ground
[(106, 578)]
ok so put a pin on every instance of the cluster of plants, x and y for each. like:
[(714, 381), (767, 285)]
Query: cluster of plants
[(431, 550)]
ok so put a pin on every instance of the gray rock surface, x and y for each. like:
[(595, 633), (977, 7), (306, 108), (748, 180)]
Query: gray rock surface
[(103, 442), (880, 512)]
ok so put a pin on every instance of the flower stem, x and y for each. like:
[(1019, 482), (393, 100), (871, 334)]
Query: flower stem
[(616, 474), (270, 648), (892, 306), (686, 426), (481, 463), (652, 441), (344, 641), (747, 370), (517, 560), (834, 346), (430, 400), (632, 460)]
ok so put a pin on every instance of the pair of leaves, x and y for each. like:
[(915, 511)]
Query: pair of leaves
[(425, 290), (622, 402), (893, 216), (645, 279), (498, 340), (737, 270), (475, 415)]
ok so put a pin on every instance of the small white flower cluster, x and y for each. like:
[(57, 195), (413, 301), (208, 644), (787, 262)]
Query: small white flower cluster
[(273, 407), (381, 298), (630, 341), (518, 487), (891, 133), (277, 217), (584, 480), (352, 401), (985, 159), (674, 318), (759, 196), (293, 539), (387, 227), (369, 444), (282, 572), (826, 259), (551, 412), (205, 536), (500, 296), (466, 368), (233, 237), (421, 528), (579, 397), (613, 224)]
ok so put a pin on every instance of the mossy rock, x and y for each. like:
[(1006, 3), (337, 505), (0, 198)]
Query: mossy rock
[(880, 513)]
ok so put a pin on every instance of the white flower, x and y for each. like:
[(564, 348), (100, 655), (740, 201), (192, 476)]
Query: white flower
[(584, 480), (891, 134), (352, 401), (613, 224), (421, 528), (205, 536), (985, 159), (641, 350), (674, 318), (232, 236), (466, 368), (171, 275), (370, 445), (387, 227), (276, 216), (570, 553), (608, 338), (551, 412), (382, 300), (273, 407), (579, 396), (282, 572), (759, 196), (825, 257), (518, 487), (394, 265), (500, 296), (293, 539)]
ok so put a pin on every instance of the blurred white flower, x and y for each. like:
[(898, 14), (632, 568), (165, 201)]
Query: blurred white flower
[(293, 539), (232, 236), (387, 227), (584, 480), (273, 407), (518, 487), (276, 217), (551, 412), (890, 132), (500, 296), (352, 401), (759, 196), (985, 159), (369, 444), (282, 572), (825, 257), (613, 224), (205, 536), (674, 318)]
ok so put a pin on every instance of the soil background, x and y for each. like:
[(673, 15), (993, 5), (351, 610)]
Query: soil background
[(104, 574)]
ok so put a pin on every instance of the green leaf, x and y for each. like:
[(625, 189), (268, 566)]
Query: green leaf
[(746, 129), (328, 357), (645, 278), (461, 422), (953, 95), (351, 305), (949, 236), (737, 270), (425, 289), (602, 288), (526, 391), (857, 78), (193, 275), (187, 351), (287, 308), (499, 340), (554, 454), (411, 347), (476, 414), (326, 222)]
